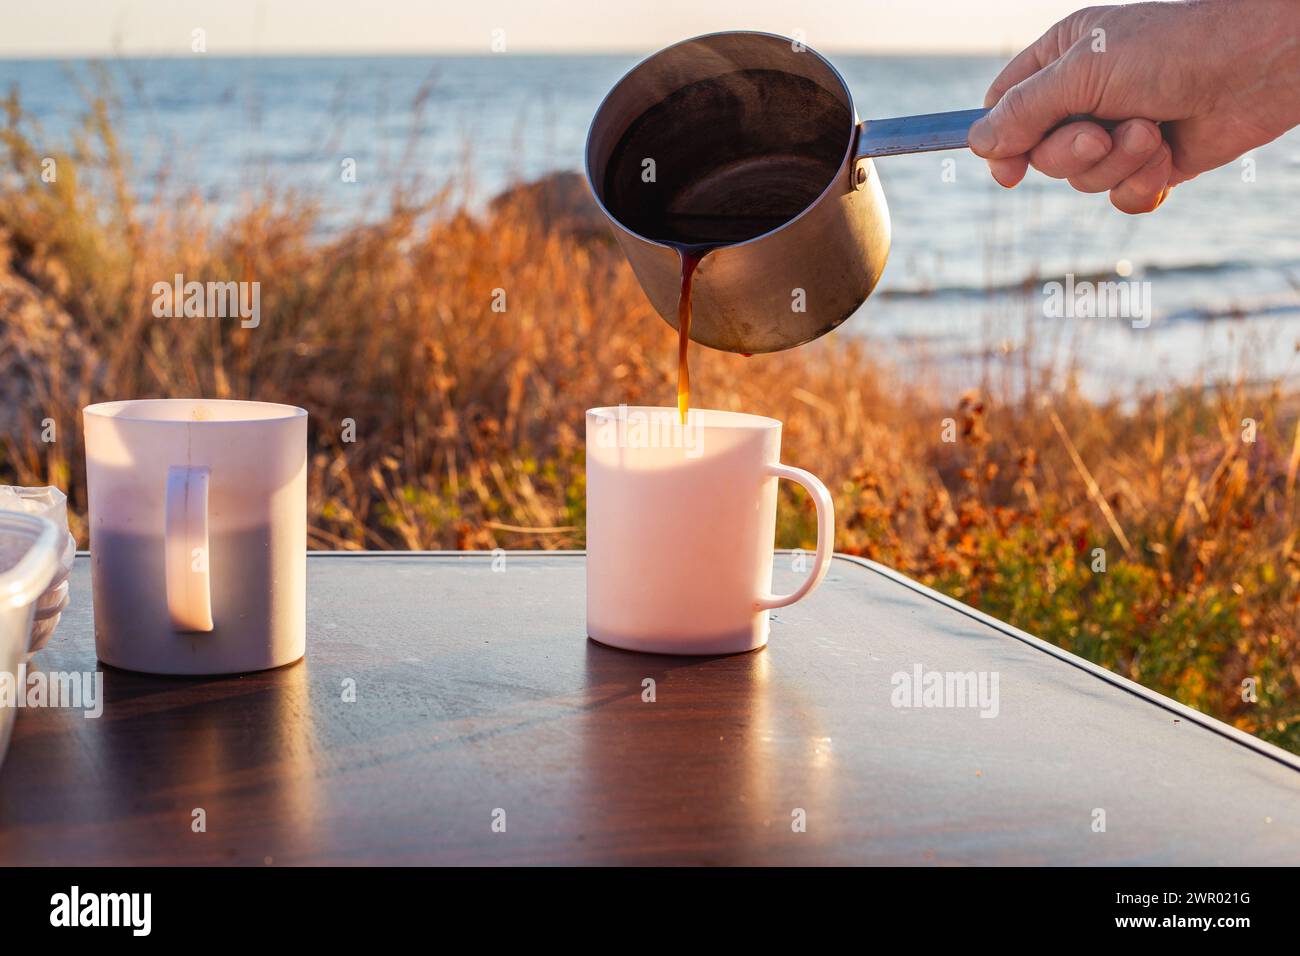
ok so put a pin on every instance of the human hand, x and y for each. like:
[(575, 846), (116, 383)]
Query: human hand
[(1193, 85)]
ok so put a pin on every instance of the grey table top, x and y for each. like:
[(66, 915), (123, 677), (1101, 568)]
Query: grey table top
[(478, 699)]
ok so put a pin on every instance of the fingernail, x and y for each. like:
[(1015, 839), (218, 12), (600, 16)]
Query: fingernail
[(1138, 140), (982, 137), (1088, 148)]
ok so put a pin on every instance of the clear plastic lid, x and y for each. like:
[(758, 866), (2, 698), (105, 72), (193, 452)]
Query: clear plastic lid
[(29, 556), (48, 502)]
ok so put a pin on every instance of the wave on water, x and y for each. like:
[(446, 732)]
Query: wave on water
[(1200, 291), (1259, 309), (1287, 267)]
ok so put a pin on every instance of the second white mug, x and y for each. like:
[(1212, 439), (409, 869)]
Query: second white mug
[(680, 528)]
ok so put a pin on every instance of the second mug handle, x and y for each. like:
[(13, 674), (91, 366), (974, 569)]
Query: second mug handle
[(189, 583), (825, 536)]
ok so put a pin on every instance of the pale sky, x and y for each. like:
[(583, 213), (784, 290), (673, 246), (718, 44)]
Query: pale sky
[(43, 28)]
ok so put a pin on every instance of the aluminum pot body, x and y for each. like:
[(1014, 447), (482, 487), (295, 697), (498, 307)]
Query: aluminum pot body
[(784, 287)]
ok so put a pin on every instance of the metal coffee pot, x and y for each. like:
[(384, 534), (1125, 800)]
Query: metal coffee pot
[(747, 146)]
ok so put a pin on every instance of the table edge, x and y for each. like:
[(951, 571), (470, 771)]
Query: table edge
[(1212, 724)]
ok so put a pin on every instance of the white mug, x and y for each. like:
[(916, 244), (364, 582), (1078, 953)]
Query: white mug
[(681, 521), (198, 534)]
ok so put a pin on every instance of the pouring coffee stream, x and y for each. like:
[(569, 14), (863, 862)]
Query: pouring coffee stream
[(742, 189), (689, 262)]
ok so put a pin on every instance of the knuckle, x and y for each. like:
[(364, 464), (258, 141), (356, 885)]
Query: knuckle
[(1053, 159), (1085, 184), (1014, 106), (1082, 79), (1078, 24)]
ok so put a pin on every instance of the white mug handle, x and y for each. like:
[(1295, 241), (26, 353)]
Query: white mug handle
[(189, 585), (825, 535)]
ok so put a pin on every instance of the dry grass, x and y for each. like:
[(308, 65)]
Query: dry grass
[(468, 421)]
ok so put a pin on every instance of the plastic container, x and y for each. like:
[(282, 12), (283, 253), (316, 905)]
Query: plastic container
[(51, 503), (29, 560)]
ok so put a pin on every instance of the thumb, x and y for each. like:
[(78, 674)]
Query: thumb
[(1023, 116)]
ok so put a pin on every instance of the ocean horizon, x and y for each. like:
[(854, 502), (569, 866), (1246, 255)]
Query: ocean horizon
[(970, 260)]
